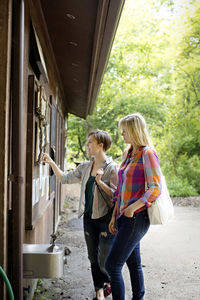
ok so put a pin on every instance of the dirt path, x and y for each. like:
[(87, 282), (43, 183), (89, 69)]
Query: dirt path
[(170, 256)]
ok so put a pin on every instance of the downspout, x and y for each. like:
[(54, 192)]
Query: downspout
[(17, 142)]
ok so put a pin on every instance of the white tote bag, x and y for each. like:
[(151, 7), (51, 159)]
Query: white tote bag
[(161, 210)]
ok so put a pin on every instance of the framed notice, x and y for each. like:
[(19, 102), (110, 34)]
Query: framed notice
[(38, 141), (43, 103)]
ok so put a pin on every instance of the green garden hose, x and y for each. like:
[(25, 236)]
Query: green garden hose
[(8, 285)]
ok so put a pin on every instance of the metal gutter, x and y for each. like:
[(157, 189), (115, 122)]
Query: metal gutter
[(109, 30), (98, 36)]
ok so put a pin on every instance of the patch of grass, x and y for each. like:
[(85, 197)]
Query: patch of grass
[(66, 204), (40, 282)]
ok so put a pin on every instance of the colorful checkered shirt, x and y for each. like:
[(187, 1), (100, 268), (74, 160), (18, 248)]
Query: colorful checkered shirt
[(131, 179)]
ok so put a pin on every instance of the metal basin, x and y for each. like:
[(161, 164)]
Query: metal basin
[(43, 260)]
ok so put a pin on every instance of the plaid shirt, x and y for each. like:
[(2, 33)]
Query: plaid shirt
[(131, 179)]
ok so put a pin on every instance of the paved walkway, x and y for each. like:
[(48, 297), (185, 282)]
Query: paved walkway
[(170, 255)]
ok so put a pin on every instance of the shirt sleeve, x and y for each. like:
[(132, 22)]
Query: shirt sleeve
[(113, 179), (152, 177), (73, 176)]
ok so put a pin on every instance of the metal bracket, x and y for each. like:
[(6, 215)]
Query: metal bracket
[(14, 178)]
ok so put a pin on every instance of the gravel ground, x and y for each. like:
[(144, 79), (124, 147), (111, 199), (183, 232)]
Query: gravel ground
[(162, 282)]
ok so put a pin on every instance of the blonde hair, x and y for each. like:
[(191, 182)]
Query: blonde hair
[(136, 127)]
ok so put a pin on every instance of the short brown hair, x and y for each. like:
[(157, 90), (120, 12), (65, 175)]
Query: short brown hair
[(102, 137)]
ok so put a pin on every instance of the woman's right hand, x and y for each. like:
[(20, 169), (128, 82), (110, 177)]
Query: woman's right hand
[(47, 159), (112, 225)]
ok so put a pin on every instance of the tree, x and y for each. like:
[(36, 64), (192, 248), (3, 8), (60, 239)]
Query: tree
[(182, 127), (153, 69)]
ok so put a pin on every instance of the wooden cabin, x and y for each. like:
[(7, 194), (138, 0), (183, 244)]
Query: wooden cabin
[(53, 56)]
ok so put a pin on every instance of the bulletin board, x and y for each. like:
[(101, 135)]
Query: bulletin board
[(38, 141)]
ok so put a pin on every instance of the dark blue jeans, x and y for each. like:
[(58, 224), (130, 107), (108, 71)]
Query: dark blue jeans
[(126, 249), (99, 241)]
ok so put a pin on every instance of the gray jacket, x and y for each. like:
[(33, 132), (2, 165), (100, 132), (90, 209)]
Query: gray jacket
[(82, 174)]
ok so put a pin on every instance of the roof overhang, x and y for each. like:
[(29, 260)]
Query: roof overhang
[(81, 33)]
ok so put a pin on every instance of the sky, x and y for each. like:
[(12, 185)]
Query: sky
[(164, 12)]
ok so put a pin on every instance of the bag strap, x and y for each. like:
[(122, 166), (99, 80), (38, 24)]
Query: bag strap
[(100, 190), (146, 186), (161, 174)]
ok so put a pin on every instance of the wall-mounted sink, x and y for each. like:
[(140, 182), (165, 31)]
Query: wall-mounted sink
[(43, 260)]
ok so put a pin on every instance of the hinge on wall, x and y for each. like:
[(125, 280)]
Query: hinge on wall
[(14, 178)]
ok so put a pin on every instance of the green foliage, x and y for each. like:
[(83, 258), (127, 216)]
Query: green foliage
[(154, 69), (180, 187)]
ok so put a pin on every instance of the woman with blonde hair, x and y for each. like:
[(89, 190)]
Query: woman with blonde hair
[(130, 220)]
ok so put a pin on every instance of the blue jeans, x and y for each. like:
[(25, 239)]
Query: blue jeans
[(99, 241), (126, 249)]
